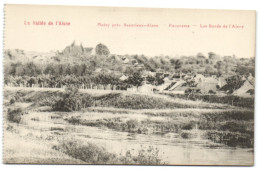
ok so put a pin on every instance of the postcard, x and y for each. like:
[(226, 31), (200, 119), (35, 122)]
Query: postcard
[(128, 86)]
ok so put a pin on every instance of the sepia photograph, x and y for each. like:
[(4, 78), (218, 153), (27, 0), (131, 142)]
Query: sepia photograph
[(128, 86)]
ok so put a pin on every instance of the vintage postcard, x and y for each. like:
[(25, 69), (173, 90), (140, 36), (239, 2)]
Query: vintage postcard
[(128, 86)]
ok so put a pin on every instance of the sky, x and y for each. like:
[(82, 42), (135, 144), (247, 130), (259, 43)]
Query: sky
[(88, 25)]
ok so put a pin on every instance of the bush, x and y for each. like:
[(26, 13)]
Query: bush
[(188, 135), (72, 100), (136, 101), (132, 124), (228, 99), (74, 120), (145, 156), (12, 101), (89, 153), (15, 115), (233, 139), (189, 126), (93, 154)]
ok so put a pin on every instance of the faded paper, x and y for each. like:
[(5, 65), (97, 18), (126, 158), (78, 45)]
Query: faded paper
[(107, 85)]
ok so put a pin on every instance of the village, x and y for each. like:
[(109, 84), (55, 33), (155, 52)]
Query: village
[(177, 83), (86, 68), (188, 83)]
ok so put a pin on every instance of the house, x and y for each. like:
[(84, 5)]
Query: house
[(176, 76), (221, 82), (123, 78), (167, 83), (132, 89), (159, 74), (146, 88), (175, 84), (188, 76), (183, 88), (246, 90), (207, 84), (180, 89), (198, 78), (251, 79)]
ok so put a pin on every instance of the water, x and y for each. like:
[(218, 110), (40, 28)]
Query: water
[(172, 148)]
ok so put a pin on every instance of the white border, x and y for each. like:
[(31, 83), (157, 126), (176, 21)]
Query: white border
[(200, 4)]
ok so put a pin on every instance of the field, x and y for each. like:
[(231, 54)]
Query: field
[(88, 127)]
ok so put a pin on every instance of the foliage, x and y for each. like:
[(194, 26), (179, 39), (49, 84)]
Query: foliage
[(72, 101), (136, 101), (89, 153), (101, 49), (235, 82), (135, 79), (230, 99), (93, 154), (12, 101), (15, 115)]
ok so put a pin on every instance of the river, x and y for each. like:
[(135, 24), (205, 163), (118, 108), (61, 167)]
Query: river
[(173, 149)]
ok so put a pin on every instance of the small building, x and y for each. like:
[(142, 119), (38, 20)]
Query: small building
[(245, 90), (208, 84), (221, 82), (146, 88), (123, 78)]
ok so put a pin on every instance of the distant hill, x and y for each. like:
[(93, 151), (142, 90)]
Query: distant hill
[(22, 56)]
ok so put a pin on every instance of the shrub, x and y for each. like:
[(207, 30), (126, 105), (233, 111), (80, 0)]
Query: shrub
[(89, 153), (15, 115), (188, 135), (12, 101), (189, 126), (132, 124), (72, 100), (93, 154), (135, 101), (145, 156), (228, 99), (74, 120), (233, 139)]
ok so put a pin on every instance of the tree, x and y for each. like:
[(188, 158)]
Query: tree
[(219, 66), (212, 55), (49, 70), (234, 82), (101, 49), (68, 70), (150, 79), (135, 79), (176, 64)]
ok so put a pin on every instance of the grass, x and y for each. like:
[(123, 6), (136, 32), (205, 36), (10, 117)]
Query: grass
[(234, 139), (141, 101), (93, 154), (183, 122), (22, 150), (156, 114), (227, 99), (116, 100)]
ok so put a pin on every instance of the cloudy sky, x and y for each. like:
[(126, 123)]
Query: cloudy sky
[(173, 41)]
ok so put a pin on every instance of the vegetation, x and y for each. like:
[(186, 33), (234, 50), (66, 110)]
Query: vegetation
[(15, 115), (227, 120), (103, 68), (93, 154), (70, 101), (229, 99)]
